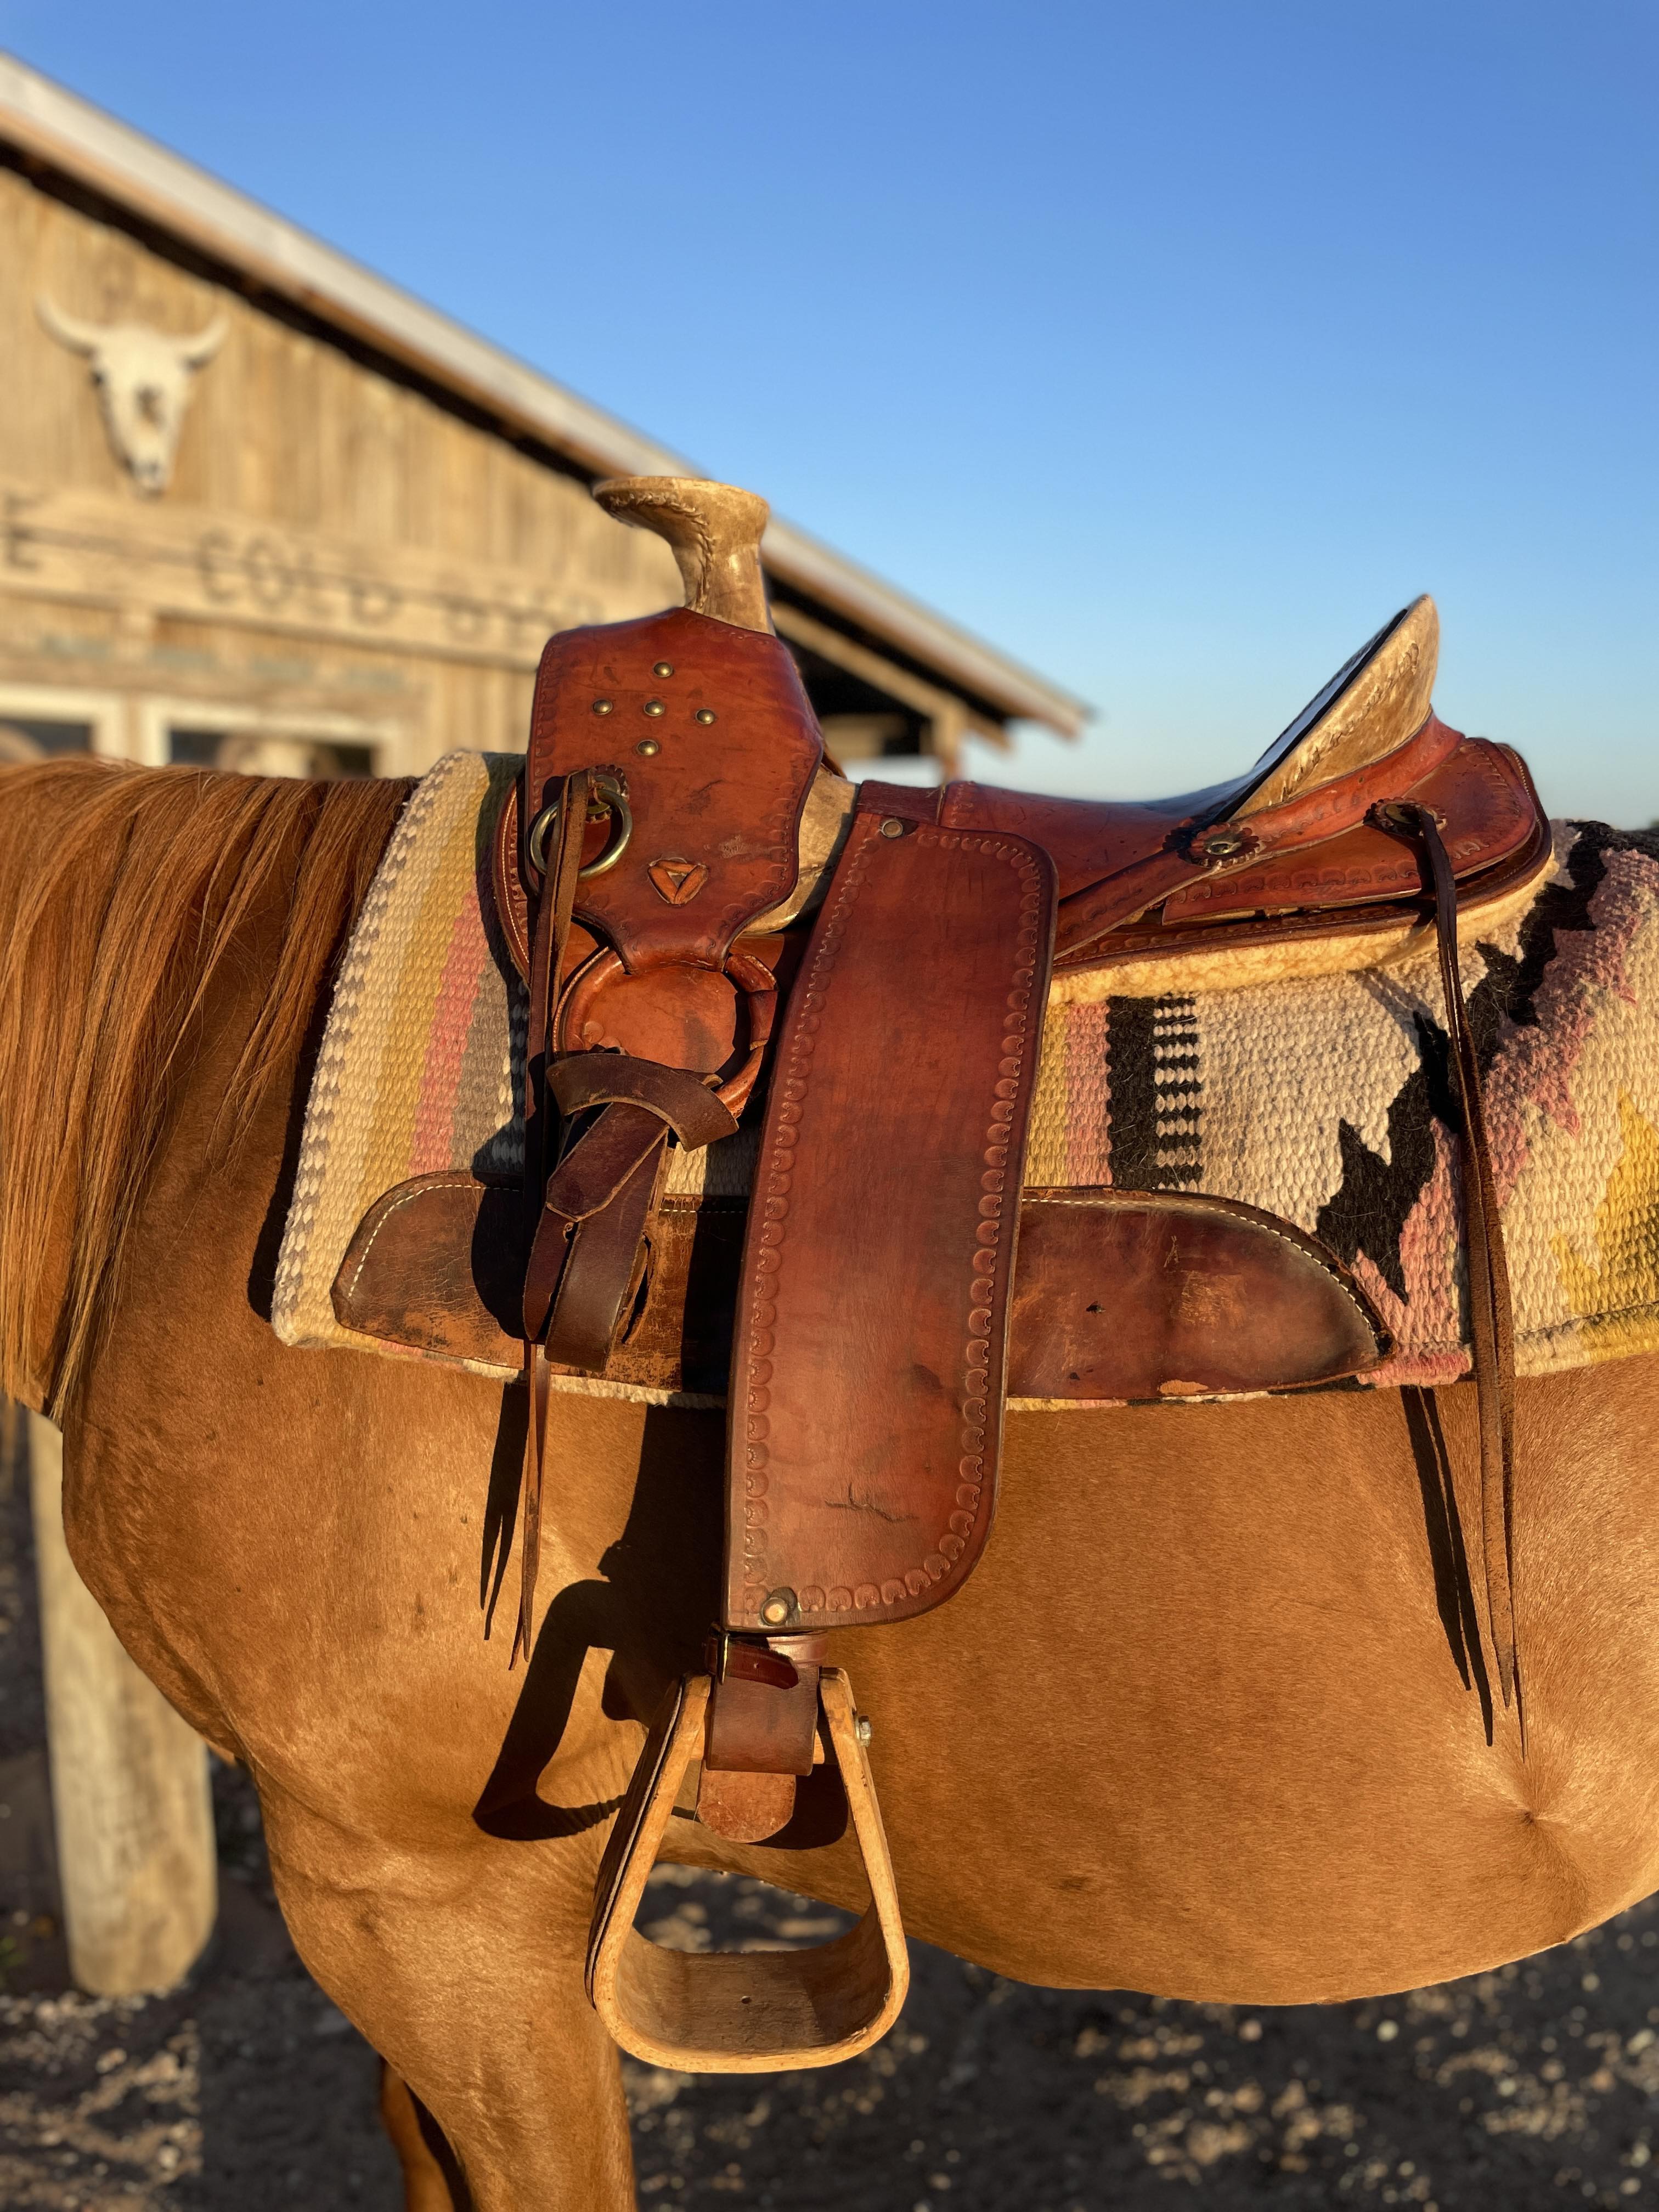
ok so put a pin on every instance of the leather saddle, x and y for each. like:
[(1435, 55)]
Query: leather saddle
[(716, 929)]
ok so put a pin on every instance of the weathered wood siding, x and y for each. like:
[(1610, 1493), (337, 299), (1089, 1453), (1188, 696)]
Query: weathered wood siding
[(334, 549)]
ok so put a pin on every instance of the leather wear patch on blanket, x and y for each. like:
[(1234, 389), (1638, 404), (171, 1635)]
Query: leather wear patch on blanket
[(1324, 1101)]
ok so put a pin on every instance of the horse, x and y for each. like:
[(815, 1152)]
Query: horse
[(1198, 1726)]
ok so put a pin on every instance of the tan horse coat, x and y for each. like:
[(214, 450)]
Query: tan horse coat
[(1194, 1726)]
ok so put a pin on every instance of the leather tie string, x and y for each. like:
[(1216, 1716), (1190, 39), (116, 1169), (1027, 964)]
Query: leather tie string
[(554, 913), (1491, 1327)]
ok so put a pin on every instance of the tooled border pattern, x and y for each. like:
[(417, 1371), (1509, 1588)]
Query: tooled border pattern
[(988, 1265)]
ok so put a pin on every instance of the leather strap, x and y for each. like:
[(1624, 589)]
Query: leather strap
[(868, 1367), (1192, 853), (586, 1253), (764, 1705), (599, 1163), (589, 1210), (554, 913), (684, 1101), (1491, 1327), (553, 923), (580, 1267), (593, 1213), (760, 1733), (586, 1250), (602, 1262)]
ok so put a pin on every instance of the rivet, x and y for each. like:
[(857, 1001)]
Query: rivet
[(655, 706), (602, 705), (664, 668), (778, 1607), (861, 1728), (892, 827), (705, 715), (647, 746)]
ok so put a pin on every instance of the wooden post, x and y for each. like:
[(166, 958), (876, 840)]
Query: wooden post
[(129, 1780)]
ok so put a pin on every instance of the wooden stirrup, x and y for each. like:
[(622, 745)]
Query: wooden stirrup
[(741, 2012)]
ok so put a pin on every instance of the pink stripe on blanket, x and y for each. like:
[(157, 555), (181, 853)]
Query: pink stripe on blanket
[(1428, 1322), (446, 1054)]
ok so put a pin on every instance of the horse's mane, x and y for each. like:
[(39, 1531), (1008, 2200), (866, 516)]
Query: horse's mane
[(122, 892)]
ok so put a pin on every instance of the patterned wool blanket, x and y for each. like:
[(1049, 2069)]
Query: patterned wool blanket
[(1325, 1100)]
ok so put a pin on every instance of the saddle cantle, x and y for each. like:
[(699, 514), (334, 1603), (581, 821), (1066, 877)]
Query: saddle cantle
[(678, 877)]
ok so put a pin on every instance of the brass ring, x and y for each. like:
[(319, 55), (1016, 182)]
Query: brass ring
[(609, 793)]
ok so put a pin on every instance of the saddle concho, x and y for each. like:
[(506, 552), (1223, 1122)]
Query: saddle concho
[(653, 876)]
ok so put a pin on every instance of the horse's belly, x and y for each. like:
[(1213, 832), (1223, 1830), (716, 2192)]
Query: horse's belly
[(1285, 1905), (1198, 1726)]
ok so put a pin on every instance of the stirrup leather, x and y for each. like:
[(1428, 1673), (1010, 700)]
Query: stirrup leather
[(742, 2011)]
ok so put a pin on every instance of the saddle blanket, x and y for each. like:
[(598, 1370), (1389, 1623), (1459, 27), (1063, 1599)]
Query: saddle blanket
[(1325, 1100)]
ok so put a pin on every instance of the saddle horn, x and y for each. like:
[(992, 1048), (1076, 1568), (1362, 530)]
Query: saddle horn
[(714, 532)]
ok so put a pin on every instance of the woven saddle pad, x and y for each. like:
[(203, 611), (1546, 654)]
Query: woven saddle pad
[(1325, 1101)]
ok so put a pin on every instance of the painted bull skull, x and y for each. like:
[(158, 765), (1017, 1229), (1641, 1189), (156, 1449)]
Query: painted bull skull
[(142, 379)]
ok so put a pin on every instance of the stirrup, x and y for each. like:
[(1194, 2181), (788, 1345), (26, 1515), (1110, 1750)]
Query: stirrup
[(741, 2012)]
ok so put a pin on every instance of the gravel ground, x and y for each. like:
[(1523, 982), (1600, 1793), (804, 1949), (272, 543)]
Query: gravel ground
[(248, 2091)]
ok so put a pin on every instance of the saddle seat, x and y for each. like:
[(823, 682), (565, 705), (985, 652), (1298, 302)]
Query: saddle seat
[(1278, 872), (717, 929)]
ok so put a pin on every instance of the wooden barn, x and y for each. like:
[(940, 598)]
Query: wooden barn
[(259, 507)]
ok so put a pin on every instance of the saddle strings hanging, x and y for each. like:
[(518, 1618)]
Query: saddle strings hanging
[(554, 912), (1491, 1327)]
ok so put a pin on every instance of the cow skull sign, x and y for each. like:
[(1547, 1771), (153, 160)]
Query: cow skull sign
[(142, 379)]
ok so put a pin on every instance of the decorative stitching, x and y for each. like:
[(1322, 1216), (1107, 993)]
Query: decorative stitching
[(773, 1177), (988, 1284), (988, 1261)]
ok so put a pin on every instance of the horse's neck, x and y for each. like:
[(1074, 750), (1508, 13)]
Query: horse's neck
[(145, 917)]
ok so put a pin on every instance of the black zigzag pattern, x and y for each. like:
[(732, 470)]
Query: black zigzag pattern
[(1367, 1211)]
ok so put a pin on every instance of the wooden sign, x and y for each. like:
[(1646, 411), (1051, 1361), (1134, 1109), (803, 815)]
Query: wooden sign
[(168, 560)]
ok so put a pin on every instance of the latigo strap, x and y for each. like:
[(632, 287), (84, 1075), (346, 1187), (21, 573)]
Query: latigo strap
[(1491, 1325)]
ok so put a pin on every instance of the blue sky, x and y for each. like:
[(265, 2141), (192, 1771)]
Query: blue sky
[(1171, 347)]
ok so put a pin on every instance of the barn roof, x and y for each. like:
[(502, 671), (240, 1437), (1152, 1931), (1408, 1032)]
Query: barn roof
[(57, 137)]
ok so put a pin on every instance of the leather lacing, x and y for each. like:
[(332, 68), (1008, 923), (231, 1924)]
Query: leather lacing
[(1491, 1327)]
